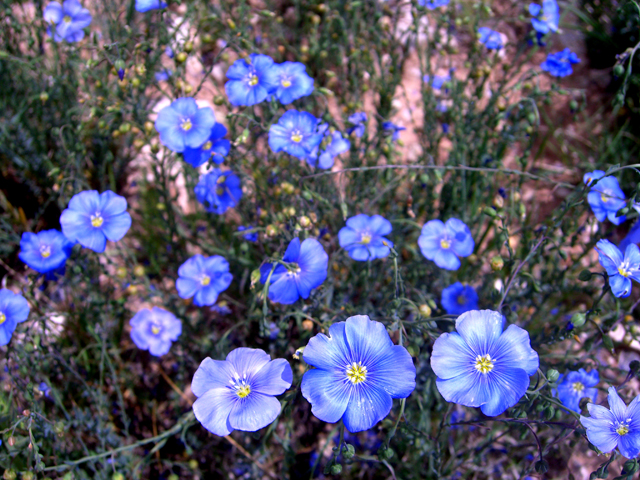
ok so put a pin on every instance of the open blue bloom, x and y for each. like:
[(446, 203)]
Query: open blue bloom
[(490, 38), (14, 309), (203, 278), (620, 270), (295, 133), (333, 144), (438, 81), (480, 365), (616, 426), (394, 129), (169, 52), (45, 251), (577, 385), (215, 148), (458, 298), (155, 330), (358, 372), (306, 270), (358, 121), (251, 236), (293, 82), (433, 4), (251, 82), (68, 20), (606, 197), (182, 124), (363, 237), (445, 242), (546, 18), (218, 191), (45, 389), (239, 393), (559, 64), (146, 5), (163, 75), (92, 218)]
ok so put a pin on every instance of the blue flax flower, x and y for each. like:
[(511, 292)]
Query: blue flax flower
[(616, 426), (182, 124), (251, 236), (445, 242), (215, 148), (203, 278), (163, 75), (358, 121), (155, 330), (293, 82), (480, 365), (306, 270), (69, 20), (546, 18), (295, 133), (621, 270), (606, 197), (92, 218), (363, 237), (433, 4), (559, 64), (438, 81), (333, 144), (490, 38), (14, 309), (218, 191), (577, 385), (394, 129), (239, 393), (251, 82), (458, 298), (358, 371), (45, 251), (146, 5)]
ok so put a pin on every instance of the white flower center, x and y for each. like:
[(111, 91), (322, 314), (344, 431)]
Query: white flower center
[(186, 124), (356, 373), (577, 387), (484, 364), (3, 318), (45, 251), (296, 136), (97, 220)]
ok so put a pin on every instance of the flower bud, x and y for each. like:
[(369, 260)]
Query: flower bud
[(9, 475), (552, 374), (304, 221), (148, 127), (28, 476), (138, 271), (135, 82), (181, 57), (497, 263), (336, 469), (585, 276), (218, 100), (307, 325), (425, 310), (271, 230), (618, 70), (578, 319), (11, 441), (498, 201), (348, 451), (117, 476), (44, 96), (188, 46), (287, 188)]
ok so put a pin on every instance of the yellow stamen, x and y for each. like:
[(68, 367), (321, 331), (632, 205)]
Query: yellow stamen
[(577, 387), (461, 299), (155, 329), (356, 373), (45, 251), (484, 364), (205, 280), (296, 137), (622, 429), (253, 81), (97, 220), (220, 179), (285, 83), (3, 318), (622, 270), (243, 391), (207, 145), (66, 19), (365, 238), (444, 243), (186, 124)]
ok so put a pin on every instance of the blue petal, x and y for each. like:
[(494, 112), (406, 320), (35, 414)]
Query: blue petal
[(616, 405), (451, 356), (248, 361), (534, 9), (446, 259), (14, 306), (293, 251), (600, 434), (507, 385), (211, 374), (111, 204), (461, 240), (368, 340), (327, 392), (205, 296), (609, 256), (481, 330), (93, 239), (213, 408), (367, 407), (514, 348), (254, 412), (629, 445), (620, 286), (394, 372), (284, 290), (115, 227), (273, 379), (328, 352)]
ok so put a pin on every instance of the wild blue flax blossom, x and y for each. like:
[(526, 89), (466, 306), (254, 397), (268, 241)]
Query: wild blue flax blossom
[(358, 120), (445, 242), (616, 426), (433, 4), (293, 82), (295, 133), (490, 38), (621, 270), (218, 191), (184, 125), (306, 269), (559, 64), (143, 6), (250, 236), (45, 251), (358, 371), (239, 393), (92, 218), (438, 81), (333, 144), (14, 309), (215, 148), (606, 197), (68, 20), (546, 17), (363, 237), (573, 386), (458, 298), (483, 365), (155, 330), (203, 278), (250, 82), (393, 129)]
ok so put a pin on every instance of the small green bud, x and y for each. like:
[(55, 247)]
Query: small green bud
[(489, 211), (348, 451), (173, 476), (44, 96), (630, 467), (9, 475), (387, 454), (585, 275), (218, 100), (542, 466), (573, 105), (618, 70), (193, 464), (578, 319), (607, 342), (425, 310), (336, 469), (552, 374), (188, 46), (117, 476), (181, 57), (549, 413), (497, 263)]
